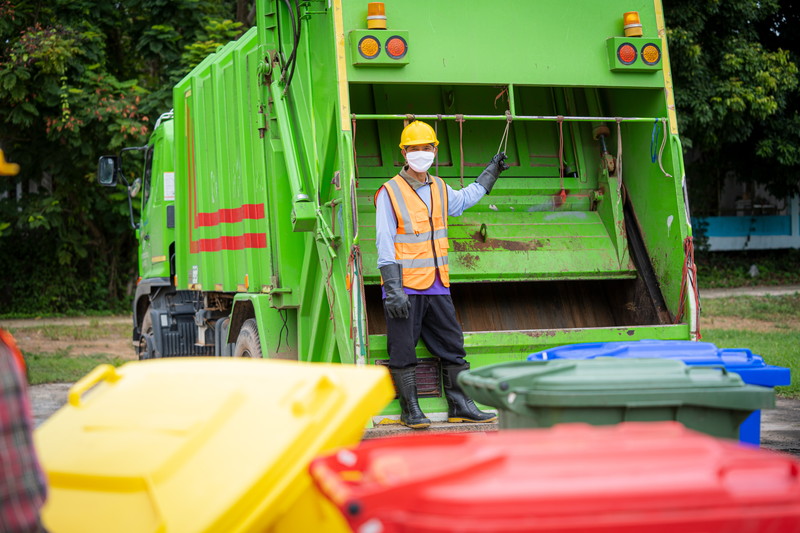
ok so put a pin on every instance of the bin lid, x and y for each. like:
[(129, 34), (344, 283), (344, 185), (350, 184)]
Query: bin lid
[(609, 381), (749, 366), (198, 444), (634, 476)]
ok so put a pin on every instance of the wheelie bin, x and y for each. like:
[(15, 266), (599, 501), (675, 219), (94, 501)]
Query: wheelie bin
[(530, 394), (657, 477), (751, 367), (202, 445)]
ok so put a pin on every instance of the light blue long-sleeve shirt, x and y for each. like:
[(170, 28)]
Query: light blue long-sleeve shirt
[(386, 222)]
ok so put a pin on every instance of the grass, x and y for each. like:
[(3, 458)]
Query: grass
[(731, 269), (778, 309), (92, 332), (61, 355), (61, 367), (122, 311), (779, 345)]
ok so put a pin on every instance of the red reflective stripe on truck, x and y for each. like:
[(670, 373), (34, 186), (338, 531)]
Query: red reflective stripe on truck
[(238, 242), (236, 214)]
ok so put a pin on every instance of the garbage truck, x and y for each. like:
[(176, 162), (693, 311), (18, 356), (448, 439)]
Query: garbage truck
[(256, 235)]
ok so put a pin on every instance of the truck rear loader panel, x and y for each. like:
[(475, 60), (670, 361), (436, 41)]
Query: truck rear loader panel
[(282, 138)]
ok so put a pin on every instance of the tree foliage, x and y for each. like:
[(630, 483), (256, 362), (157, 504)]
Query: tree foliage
[(79, 79), (734, 63)]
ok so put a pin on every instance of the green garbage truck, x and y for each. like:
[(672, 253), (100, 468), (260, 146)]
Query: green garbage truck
[(257, 228)]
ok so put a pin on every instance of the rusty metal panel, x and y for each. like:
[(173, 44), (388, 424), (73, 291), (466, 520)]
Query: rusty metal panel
[(429, 376)]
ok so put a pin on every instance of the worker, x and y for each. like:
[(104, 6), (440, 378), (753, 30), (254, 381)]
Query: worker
[(22, 483), (411, 237)]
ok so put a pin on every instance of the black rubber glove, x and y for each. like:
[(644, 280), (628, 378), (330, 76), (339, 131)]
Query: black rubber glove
[(396, 302), (492, 171)]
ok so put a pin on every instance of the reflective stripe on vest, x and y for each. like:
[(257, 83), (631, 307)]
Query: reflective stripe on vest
[(421, 244)]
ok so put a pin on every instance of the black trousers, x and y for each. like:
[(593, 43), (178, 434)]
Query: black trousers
[(433, 318)]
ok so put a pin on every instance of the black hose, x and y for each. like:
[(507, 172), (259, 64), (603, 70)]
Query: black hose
[(293, 18), (296, 45)]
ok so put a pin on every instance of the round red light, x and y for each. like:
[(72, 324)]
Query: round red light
[(396, 47), (626, 53)]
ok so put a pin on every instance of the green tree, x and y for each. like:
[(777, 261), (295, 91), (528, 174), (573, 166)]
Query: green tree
[(734, 63), (79, 79)]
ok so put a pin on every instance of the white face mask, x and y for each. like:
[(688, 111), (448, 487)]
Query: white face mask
[(420, 161)]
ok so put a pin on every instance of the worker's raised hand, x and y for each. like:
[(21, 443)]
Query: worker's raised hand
[(499, 160), (492, 171)]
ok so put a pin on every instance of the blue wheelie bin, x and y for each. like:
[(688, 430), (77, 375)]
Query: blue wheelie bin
[(749, 366)]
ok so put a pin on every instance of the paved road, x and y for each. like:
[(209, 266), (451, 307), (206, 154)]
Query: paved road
[(780, 427), (749, 291)]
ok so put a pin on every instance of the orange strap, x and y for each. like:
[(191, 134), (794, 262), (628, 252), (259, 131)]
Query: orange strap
[(9, 341), (689, 282)]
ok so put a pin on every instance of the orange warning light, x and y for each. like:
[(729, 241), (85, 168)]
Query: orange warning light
[(631, 24), (369, 47), (376, 16), (626, 53), (651, 54), (396, 47)]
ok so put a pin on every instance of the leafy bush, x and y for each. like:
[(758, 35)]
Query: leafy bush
[(732, 269)]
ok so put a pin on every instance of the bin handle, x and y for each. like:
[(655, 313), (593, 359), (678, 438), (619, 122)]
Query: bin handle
[(351, 497), (718, 367), (100, 373), (505, 384), (306, 400)]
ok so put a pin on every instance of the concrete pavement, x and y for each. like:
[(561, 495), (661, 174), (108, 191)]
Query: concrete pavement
[(750, 291), (780, 427)]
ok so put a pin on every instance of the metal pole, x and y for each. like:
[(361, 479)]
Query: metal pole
[(503, 117)]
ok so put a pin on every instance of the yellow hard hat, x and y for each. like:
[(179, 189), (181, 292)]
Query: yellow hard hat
[(418, 133)]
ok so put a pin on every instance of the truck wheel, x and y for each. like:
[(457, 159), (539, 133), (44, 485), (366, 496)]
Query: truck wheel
[(248, 344), (146, 340)]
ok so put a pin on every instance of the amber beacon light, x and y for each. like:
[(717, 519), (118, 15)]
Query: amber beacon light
[(631, 24), (376, 16)]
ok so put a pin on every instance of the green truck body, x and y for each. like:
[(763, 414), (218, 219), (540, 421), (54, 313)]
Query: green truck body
[(257, 233)]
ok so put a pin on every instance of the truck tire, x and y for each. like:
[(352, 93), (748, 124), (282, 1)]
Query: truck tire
[(146, 339), (248, 344)]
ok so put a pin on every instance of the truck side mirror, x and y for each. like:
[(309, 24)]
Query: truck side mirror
[(107, 167)]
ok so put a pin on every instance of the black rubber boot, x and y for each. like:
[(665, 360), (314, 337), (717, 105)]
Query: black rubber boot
[(460, 407), (405, 383)]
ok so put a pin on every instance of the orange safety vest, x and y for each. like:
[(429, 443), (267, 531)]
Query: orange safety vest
[(421, 244)]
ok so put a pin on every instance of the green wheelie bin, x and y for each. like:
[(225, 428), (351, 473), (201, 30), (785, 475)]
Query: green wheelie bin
[(533, 394)]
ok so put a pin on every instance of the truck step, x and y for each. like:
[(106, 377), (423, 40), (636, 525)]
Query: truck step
[(395, 430)]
